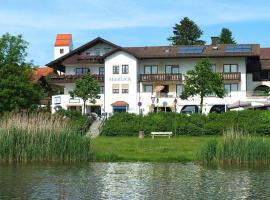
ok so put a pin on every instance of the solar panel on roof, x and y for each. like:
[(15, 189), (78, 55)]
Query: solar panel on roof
[(186, 50), (238, 48)]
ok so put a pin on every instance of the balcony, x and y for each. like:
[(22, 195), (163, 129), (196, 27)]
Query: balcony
[(233, 76), (90, 59), (72, 78), (160, 77)]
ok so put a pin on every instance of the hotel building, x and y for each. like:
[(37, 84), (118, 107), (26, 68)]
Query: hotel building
[(151, 78)]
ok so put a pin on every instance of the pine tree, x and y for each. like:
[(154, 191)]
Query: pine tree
[(226, 37), (187, 32)]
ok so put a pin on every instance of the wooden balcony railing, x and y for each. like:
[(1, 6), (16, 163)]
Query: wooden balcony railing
[(160, 77), (233, 76), (91, 59), (73, 78)]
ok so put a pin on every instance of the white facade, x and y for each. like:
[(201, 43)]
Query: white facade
[(126, 86), (130, 79), (60, 51)]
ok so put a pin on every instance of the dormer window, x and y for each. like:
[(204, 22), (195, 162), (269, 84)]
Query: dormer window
[(97, 52), (61, 51), (107, 50)]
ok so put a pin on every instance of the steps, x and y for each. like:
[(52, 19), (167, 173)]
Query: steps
[(94, 129)]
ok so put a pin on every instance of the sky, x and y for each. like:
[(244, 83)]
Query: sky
[(129, 22)]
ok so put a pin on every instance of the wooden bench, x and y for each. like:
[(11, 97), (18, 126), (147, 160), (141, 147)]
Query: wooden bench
[(161, 134)]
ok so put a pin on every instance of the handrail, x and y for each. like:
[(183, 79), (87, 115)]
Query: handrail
[(102, 123)]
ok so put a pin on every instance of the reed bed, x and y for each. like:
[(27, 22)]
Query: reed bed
[(236, 147), (41, 137)]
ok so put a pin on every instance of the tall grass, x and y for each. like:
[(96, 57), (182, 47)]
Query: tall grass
[(236, 147), (41, 137)]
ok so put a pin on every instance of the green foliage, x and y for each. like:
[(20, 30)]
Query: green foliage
[(86, 88), (77, 121), (187, 32), (16, 90), (202, 81), (236, 147), (255, 122), (226, 37), (122, 124), (41, 137)]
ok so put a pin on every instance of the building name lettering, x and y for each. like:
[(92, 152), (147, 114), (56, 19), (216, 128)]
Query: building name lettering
[(120, 79)]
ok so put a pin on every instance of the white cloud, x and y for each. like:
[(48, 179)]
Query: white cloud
[(93, 14), (39, 21)]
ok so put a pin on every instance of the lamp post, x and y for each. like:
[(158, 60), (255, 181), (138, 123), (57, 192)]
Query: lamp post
[(157, 104), (153, 98), (175, 104)]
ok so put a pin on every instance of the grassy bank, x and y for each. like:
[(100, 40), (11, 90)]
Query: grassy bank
[(176, 149), (41, 137)]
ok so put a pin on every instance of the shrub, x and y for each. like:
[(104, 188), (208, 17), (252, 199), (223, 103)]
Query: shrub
[(255, 122), (77, 121)]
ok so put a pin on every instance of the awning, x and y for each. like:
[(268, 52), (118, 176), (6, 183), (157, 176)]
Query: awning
[(159, 88), (239, 104), (120, 104)]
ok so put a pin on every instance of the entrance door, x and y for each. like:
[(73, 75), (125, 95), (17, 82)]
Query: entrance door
[(119, 109), (96, 109)]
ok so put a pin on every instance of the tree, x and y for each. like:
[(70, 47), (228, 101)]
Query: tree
[(203, 81), (16, 90), (226, 37), (86, 88), (187, 32)]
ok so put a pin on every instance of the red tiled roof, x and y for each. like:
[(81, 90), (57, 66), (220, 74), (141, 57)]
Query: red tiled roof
[(265, 53), (120, 103), (63, 40), (37, 73)]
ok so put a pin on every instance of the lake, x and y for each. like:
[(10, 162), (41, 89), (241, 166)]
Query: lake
[(158, 181)]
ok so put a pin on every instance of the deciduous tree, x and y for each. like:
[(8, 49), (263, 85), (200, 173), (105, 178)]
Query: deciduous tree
[(16, 90), (202, 81), (86, 88)]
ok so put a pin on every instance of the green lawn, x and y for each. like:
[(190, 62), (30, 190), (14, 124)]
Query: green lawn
[(161, 149)]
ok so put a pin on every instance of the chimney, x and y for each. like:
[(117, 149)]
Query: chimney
[(215, 40), (63, 45)]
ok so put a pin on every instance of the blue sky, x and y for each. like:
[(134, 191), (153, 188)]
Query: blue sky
[(129, 22)]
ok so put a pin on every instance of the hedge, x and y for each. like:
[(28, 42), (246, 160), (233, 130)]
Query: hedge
[(253, 122)]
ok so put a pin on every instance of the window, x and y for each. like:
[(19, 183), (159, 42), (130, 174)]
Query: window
[(261, 75), (150, 70), (171, 69), (230, 68), (82, 71), (179, 90), (97, 52), (213, 67), (116, 69), (101, 71), (124, 69), (61, 51), (124, 88), (107, 50), (115, 88), (148, 88), (57, 100), (230, 87), (101, 89)]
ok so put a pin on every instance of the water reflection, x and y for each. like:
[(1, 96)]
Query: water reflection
[(132, 181)]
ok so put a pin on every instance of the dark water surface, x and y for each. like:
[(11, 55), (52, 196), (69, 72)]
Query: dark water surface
[(158, 181)]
